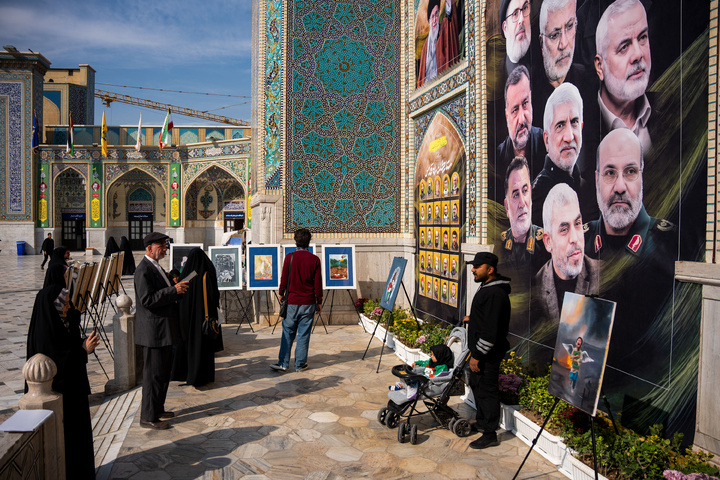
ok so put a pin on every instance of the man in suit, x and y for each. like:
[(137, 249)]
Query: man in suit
[(156, 329)]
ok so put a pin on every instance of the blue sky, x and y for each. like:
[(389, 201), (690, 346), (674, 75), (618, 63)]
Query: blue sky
[(181, 45)]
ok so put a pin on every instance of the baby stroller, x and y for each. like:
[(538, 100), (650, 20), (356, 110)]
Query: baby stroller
[(434, 392)]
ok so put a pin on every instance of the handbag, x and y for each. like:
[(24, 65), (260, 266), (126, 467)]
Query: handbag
[(210, 327), (284, 304)]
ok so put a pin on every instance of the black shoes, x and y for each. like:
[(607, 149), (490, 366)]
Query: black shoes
[(487, 440), (278, 368), (154, 425), (164, 415), (303, 368)]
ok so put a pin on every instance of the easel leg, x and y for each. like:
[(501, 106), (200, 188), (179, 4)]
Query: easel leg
[(609, 410), (592, 430), (352, 302), (407, 297), (372, 335), (535, 440), (244, 311), (267, 298), (250, 304), (319, 315), (382, 348)]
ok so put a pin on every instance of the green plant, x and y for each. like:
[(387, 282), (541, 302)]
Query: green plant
[(406, 331), (369, 306), (431, 334)]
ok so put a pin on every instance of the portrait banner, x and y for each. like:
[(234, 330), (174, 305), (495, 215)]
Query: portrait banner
[(596, 184)]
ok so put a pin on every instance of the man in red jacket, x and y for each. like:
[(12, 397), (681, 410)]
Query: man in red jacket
[(488, 326), (302, 283)]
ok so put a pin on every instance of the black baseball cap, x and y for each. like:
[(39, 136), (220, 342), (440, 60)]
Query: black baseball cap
[(154, 237), (484, 258)]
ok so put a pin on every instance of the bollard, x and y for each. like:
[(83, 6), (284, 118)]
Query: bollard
[(124, 347), (39, 372)]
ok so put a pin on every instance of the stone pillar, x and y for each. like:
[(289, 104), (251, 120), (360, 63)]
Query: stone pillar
[(39, 372), (124, 347), (707, 427)]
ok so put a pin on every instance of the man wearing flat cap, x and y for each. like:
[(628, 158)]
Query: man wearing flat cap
[(488, 325), (156, 329), (441, 47)]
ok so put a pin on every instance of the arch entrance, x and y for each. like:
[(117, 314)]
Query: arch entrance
[(70, 208)]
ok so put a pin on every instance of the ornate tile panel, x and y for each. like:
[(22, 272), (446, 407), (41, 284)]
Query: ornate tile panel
[(343, 116), (273, 93), (15, 135)]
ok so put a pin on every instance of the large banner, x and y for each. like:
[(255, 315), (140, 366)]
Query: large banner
[(598, 131), (439, 220)]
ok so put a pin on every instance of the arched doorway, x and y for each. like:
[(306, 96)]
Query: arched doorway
[(70, 208), (135, 206), (214, 203)]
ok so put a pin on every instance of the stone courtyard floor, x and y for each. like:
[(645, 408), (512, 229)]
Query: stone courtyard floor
[(254, 423)]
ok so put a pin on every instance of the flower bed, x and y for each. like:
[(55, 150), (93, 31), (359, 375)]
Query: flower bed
[(409, 355)]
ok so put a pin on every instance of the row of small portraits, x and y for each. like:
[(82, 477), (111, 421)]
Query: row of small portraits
[(439, 289)]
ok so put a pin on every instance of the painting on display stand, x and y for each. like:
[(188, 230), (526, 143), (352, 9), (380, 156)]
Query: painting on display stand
[(392, 286), (291, 248), (583, 339), (179, 253), (338, 266), (262, 263), (228, 266)]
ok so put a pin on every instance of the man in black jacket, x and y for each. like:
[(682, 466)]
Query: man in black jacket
[(47, 248), (156, 329), (488, 326)]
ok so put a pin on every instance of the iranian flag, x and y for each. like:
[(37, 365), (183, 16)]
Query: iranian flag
[(70, 147), (166, 134)]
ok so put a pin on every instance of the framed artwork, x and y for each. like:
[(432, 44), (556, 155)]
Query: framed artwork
[(291, 248), (583, 340), (338, 262), (179, 253), (97, 279), (392, 286), (228, 266), (74, 285), (108, 277), (84, 285), (263, 267)]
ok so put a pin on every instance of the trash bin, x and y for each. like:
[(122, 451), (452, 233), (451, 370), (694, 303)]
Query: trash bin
[(20, 248)]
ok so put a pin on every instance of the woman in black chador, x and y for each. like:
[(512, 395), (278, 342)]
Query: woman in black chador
[(55, 331), (111, 247), (55, 276), (59, 257), (128, 260), (195, 358)]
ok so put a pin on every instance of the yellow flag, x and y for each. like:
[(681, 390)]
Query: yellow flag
[(103, 139)]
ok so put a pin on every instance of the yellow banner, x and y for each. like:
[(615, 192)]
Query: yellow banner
[(95, 209), (436, 144), (174, 208), (43, 214)]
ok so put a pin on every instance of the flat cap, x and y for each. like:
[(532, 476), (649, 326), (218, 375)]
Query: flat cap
[(484, 258), (154, 237)]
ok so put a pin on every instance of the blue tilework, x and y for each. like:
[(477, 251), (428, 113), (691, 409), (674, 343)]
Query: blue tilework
[(15, 133), (342, 116)]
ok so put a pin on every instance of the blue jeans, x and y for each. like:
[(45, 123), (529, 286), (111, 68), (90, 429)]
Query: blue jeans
[(298, 322)]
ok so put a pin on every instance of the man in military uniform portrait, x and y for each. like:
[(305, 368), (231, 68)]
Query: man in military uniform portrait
[(523, 138), (638, 254), (522, 242)]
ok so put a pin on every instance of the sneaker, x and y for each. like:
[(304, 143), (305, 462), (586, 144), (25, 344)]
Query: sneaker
[(278, 368), (487, 440), (303, 368)]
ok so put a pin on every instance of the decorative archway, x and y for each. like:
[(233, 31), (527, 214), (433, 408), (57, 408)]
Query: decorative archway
[(70, 207)]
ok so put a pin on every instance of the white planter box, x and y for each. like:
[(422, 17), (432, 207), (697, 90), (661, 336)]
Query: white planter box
[(507, 416), (549, 446), (369, 326), (580, 471), (409, 355)]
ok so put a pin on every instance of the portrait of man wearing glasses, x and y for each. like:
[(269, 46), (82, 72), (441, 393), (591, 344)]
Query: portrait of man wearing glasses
[(637, 255), (515, 24), (558, 25)]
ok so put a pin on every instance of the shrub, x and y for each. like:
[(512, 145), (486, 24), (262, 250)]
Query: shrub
[(432, 334), (360, 304), (370, 306), (406, 331)]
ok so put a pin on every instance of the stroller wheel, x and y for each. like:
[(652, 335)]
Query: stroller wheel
[(413, 434), (401, 432), (451, 424), (381, 415), (461, 428), (391, 419)]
